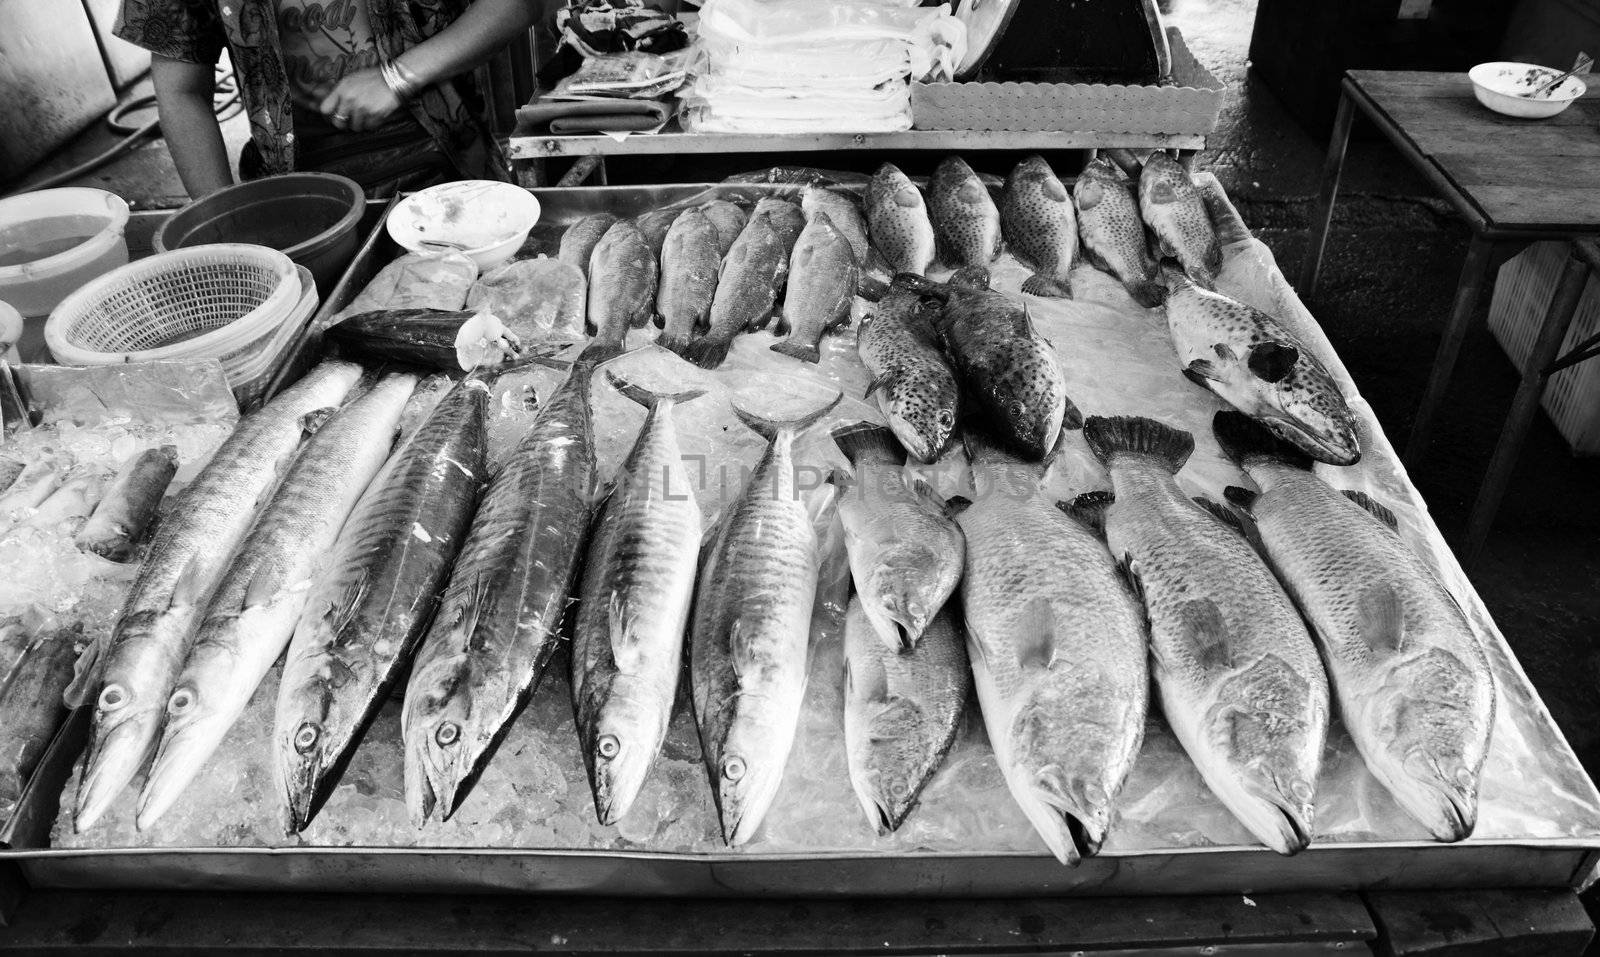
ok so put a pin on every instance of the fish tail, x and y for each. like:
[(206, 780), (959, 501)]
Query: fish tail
[(1047, 288), (797, 349), (769, 428), (864, 438), (677, 344), (1173, 278), (1148, 294), (647, 397), (708, 352), (1109, 436), (598, 351), (1243, 438)]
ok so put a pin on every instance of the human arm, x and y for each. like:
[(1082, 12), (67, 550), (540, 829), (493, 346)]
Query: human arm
[(365, 100), (184, 94)]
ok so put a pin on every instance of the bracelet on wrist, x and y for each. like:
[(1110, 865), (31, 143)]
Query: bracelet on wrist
[(400, 81)]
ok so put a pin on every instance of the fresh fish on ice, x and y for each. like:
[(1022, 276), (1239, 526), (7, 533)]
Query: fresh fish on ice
[(129, 675), (37, 481), (578, 242), (431, 338), (1113, 231), (1412, 681), (752, 624), (251, 617), (366, 613), (897, 221), (30, 699), (729, 219), (823, 276), (124, 513), (1040, 227), (1175, 210), (916, 388), (70, 506), (633, 606), (655, 224), (1057, 645), (965, 218), (1238, 675), (746, 291), (690, 264), (622, 282)]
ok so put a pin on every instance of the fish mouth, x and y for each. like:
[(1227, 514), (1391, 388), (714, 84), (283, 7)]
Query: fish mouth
[(1333, 449), (1279, 823), (1081, 824), (115, 756), (1441, 798), (180, 755)]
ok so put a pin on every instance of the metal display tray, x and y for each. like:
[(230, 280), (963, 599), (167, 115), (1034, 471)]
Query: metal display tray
[(1568, 862)]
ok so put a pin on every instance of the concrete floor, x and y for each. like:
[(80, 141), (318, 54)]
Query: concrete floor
[(1391, 269)]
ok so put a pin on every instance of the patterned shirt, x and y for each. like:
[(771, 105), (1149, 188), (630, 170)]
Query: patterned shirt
[(196, 31)]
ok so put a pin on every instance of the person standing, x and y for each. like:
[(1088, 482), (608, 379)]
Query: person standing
[(380, 91)]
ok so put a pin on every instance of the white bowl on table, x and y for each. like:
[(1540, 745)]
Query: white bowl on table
[(1498, 85), (485, 220)]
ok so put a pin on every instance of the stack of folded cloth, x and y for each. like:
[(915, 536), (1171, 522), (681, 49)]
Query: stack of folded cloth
[(814, 66), (632, 61)]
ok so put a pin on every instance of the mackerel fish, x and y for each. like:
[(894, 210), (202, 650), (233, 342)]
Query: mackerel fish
[(252, 615), (751, 628), (1412, 682), (627, 647), (129, 674), (1238, 675), (365, 615)]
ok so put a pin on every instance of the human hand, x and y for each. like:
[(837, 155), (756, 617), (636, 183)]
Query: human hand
[(360, 102)]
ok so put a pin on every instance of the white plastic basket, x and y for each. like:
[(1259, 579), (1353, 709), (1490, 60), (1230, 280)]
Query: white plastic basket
[(195, 302), (1521, 299), (250, 369)]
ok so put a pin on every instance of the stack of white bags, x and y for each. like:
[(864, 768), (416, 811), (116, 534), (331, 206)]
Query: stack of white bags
[(815, 66)]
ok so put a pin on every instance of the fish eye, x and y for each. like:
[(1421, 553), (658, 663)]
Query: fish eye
[(112, 698), (306, 737), (449, 733), (181, 701), (608, 746), (732, 767), (899, 788), (1017, 408), (946, 419)]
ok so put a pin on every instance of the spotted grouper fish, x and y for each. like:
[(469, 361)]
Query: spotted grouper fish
[(915, 387), (1239, 677), (897, 221), (1040, 227), (964, 215), (1413, 684), (1113, 232), (1174, 209)]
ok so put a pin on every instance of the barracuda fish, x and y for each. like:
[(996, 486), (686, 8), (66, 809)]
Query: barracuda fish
[(622, 282), (578, 242), (1009, 373), (129, 505), (1412, 681), (901, 712), (1239, 678), (1040, 227), (729, 220), (251, 617), (905, 553), (627, 647), (897, 221), (690, 264), (752, 623), (499, 619), (365, 615), (916, 388), (752, 275), (30, 699), (1058, 654), (129, 675), (823, 276), (1113, 232), (1255, 364), (1172, 206), (964, 216)]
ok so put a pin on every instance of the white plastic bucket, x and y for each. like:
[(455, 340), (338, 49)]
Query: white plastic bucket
[(55, 240)]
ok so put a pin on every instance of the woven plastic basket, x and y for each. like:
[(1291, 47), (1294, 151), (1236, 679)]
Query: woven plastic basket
[(251, 370), (200, 301), (1521, 298)]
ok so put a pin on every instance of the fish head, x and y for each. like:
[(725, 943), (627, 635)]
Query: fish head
[(889, 186), (620, 746), (900, 595), (1029, 398), (1304, 407), (198, 718), (1069, 787), (890, 762), (924, 423), (306, 751), (442, 743), (745, 773), (1164, 180), (1104, 172)]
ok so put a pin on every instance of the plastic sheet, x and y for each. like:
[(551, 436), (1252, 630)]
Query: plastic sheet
[(1118, 360), (416, 281)]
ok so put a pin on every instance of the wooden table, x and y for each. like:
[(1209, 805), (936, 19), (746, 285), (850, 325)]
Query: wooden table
[(1515, 182)]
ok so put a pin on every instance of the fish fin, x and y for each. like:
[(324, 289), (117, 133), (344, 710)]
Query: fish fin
[(1201, 624), (781, 326), (598, 351), (859, 438), (1381, 617), (870, 682), (314, 420), (1272, 361), (880, 382), (86, 672), (648, 398), (1091, 194), (187, 591), (1240, 496), (1220, 512), (1202, 372), (341, 610), (1377, 509), (841, 480), (624, 634), (677, 345), (708, 352), (1148, 293), (928, 495), (795, 349), (1036, 644), (769, 428), (956, 504), (1130, 573), (1090, 509), (1243, 438), (1135, 435), (1046, 287), (265, 586)]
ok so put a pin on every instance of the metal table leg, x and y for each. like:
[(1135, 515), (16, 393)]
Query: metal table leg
[(1535, 373), (1479, 256), (1332, 169)]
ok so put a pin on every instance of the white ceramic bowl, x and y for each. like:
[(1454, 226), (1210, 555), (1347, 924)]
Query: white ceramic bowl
[(1497, 86), (483, 219)]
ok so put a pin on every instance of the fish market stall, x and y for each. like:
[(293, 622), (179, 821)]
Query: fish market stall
[(331, 767)]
